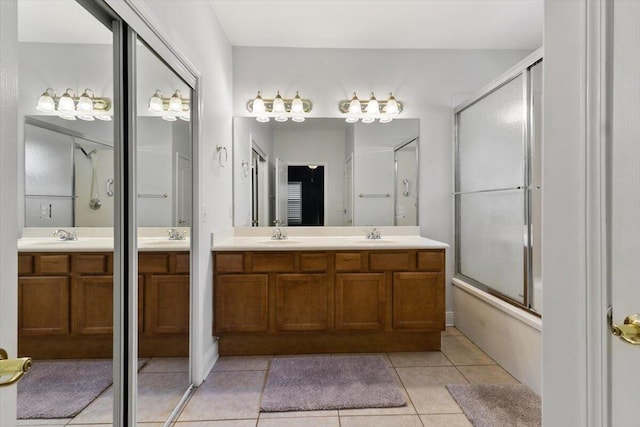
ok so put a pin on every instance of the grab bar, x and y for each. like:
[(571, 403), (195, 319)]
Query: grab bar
[(372, 196), (153, 196)]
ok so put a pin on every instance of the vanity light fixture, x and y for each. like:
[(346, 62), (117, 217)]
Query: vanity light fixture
[(69, 106), (279, 108), (370, 110), (170, 109)]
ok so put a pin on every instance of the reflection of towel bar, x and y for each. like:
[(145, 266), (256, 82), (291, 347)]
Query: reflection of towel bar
[(153, 196), (371, 196)]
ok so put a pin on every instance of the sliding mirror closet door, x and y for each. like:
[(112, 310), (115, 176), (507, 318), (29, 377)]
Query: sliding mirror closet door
[(164, 175), (65, 281)]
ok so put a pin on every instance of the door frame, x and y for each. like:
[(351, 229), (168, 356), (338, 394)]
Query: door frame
[(325, 165), (575, 387)]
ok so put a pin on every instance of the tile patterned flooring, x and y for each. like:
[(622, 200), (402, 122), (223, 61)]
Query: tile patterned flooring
[(230, 396)]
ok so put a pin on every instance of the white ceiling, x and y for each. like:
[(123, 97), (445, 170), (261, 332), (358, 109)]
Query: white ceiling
[(383, 24)]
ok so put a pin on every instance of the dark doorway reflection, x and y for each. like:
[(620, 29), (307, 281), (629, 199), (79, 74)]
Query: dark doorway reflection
[(305, 204)]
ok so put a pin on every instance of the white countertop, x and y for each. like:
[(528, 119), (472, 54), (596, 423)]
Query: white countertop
[(323, 238), (98, 240)]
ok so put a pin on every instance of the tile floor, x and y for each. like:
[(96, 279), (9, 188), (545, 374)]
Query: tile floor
[(230, 396)]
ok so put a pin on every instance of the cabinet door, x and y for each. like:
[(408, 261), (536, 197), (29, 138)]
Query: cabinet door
[(360, 301), (302, 302), (241, 302), (418, 301), (93, 305), (166, 304), (43, 306)]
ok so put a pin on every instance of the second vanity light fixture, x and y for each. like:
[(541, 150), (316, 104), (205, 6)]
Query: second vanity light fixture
[(170, 109), (69, 106), (280, 108), (371, 109)]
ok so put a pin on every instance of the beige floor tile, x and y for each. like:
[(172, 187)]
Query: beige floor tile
[(492, 374), (408, 409), (300, 422), (98, 411), (299, 414), (426, 388), (166, 364), (381, 421), (445, 420), (423, 358), (225, 396), (221, 423), (50, 422), (451, 331), (461, 351), (242, 363), (159, 393)]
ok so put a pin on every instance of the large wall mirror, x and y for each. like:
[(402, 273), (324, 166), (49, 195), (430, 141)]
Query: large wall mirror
[(68, 164), (325, 172)]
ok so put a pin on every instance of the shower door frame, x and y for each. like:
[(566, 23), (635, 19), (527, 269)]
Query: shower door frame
[(523, 68)]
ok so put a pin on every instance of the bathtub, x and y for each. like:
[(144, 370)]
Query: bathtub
[(509, 335)]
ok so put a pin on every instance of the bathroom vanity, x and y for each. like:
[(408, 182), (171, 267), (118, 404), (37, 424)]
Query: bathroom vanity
[(328, 294), (65, 298)]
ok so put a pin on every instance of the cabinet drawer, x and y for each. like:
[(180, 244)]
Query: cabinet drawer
[(90, 263), (229, 263), (431, 260), (25, 264), (348, 261), (48, 264), (268, 263), (313, 262), (156, 263), (183, 262), (383, 261)]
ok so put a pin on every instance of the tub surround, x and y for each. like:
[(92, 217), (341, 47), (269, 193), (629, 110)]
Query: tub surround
[(327, 290)]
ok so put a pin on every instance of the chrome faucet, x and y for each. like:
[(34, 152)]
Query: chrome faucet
[(65, 235), (278, 234), (175, 234), (373, 234)]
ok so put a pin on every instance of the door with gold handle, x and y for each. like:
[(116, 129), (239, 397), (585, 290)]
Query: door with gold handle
[(629, 331), (12, 368)]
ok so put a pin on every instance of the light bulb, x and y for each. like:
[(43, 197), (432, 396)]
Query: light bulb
[(392, 106), (262, 118), (385, 119), (298, 118), (66, 105), (278, 105), (103, 116), (354, 105), (373, 108), (296, 105), (46, 103), (169, 118), (185, 117), (351, 119), (85, 102), (175, 103), (155, 103), (258, 105)]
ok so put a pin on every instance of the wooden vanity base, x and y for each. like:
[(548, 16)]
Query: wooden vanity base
[(296, 302)]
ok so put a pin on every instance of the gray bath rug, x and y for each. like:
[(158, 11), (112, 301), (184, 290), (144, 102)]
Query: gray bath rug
[(326, 382), (63, 388), (498, 405)]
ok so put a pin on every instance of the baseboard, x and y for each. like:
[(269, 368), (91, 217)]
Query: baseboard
[(448, 320)]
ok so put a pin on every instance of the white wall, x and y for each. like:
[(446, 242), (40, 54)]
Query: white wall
[(424, 80), (321, 143), (195, 32)]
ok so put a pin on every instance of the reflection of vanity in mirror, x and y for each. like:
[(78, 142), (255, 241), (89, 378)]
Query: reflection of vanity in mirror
[(325, 172)]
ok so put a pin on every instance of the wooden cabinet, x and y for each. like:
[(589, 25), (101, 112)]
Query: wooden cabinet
[(66, 304), (360, 301), (330, 301), (241, 303), (302, 302)]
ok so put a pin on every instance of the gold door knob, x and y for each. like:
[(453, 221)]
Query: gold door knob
[(629, 331), (14, 368)]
